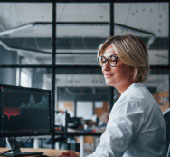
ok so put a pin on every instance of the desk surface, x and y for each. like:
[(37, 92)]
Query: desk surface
[(49, 152)]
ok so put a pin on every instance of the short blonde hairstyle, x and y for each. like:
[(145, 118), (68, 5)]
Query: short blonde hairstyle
[(131, 51)]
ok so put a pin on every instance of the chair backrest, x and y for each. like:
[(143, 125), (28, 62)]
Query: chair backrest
[(167, 120)]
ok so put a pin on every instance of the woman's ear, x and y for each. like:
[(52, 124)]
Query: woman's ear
[(132, 73), (132, 70)]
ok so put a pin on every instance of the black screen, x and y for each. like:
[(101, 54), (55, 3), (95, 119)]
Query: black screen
[(24, 111)]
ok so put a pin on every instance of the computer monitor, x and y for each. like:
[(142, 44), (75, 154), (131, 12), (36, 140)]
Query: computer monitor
[(24, 112)]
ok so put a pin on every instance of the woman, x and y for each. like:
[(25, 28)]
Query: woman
[(136, 126)]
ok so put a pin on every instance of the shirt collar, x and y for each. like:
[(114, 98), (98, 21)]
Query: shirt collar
[(133, 85)]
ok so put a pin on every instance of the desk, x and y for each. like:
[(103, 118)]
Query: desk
[(49, 152)]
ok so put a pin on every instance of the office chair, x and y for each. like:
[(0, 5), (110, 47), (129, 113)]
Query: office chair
[(167, 120)]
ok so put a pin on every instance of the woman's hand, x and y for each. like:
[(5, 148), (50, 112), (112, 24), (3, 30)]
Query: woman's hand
[(68, 154)]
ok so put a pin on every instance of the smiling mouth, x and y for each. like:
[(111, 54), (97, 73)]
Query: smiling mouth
[(108, 75)]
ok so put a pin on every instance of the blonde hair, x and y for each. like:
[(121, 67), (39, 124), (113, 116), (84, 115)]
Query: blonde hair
[(131, 51)]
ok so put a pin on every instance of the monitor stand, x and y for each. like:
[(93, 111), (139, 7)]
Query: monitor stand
[(16, 152)]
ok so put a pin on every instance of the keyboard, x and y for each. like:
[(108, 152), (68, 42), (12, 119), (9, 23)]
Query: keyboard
[(18, 154)]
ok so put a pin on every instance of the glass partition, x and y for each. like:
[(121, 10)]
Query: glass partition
[(82, 12), (25, 35), (27, 77), (150, 21), (79, 32)]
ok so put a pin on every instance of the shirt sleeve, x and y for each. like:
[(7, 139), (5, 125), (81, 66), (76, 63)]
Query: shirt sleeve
[(123, 126)]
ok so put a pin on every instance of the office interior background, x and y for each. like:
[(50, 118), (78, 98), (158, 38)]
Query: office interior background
[(53, 45)]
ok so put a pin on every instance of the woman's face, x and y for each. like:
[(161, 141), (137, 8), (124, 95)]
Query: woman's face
[(119, 76)]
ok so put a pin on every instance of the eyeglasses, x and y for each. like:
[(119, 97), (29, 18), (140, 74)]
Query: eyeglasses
[(112, 60)]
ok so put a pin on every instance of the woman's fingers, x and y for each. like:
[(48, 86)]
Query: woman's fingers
[(68, 154)]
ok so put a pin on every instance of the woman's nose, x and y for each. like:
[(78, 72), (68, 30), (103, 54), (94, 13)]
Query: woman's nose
[(106, 66)]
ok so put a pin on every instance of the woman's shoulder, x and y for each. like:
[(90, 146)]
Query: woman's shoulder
[(137, 91), (137, 96)]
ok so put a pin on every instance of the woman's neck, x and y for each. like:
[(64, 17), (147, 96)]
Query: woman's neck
[(124, 87)]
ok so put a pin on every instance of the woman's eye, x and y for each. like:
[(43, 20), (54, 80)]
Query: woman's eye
[(103, 60), (113, 60)]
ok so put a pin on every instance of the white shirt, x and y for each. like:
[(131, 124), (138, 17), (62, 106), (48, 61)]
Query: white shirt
[(136, 127)]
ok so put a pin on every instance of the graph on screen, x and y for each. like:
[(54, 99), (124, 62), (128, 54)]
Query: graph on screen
[(24, 111)]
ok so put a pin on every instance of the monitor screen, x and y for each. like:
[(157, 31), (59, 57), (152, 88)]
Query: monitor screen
[(24, 111)]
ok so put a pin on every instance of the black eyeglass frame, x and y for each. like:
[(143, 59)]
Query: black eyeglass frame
[(107, 60)]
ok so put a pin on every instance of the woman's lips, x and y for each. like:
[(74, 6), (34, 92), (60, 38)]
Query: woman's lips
[(108, 75)]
